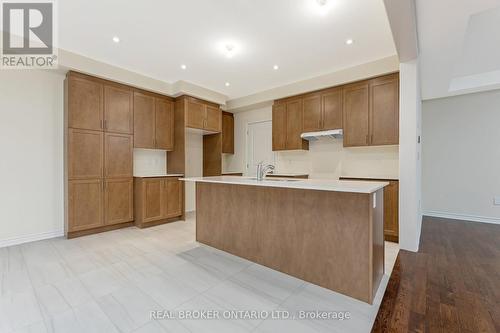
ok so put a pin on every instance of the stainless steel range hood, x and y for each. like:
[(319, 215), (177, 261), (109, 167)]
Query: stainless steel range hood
[(313, 136)]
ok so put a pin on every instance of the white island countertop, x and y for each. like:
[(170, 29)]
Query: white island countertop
[(159, 175), (306, 184)]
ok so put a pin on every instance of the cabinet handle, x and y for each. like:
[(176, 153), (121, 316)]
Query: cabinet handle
[(105, 124), (367, 139), (102, 124)]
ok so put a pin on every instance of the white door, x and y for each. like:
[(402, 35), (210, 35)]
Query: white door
[(259, 146)]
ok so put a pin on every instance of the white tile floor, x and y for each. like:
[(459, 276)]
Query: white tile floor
[(110, 282)]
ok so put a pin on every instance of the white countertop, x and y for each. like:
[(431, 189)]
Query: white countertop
[(160, 175), (384, 177), (307, 184)]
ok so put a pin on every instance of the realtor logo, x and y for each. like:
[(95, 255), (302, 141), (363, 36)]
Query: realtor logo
[(28, 35)]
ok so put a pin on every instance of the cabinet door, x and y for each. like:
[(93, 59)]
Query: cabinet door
[(294, 125), (85, 204), (213, 119), (152, 196), (279, 127), (118, 110), (391, 211), (312, 113), (85, 154), (384, 111), (195, 114), (227, 133), (118, 154), (172, 198), (164, 122), (85, 103), (356, 110), (331, 104), (144, 121), (118, 201)]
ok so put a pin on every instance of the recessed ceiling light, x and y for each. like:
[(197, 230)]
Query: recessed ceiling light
[(321, 2), (183, 66), (349, 42), (227, 84), (276, 67), (116, 39)]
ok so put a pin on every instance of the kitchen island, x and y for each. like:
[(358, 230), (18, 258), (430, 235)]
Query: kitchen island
[(326, 232)]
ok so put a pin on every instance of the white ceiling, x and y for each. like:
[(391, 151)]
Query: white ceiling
[(157, 36), (459, 44)]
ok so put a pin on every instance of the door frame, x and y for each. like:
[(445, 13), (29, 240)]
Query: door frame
[(247, 132)]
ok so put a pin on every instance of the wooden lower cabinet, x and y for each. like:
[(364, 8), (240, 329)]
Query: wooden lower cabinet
[(85, 204), (391, 207), (172, 206), (118, 200), (97, 203), (157, 200)]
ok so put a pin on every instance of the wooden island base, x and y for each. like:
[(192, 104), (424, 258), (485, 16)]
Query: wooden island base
[(331, 239)]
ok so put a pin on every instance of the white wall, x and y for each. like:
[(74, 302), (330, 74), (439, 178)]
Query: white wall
[(410, 214), (194, 166), (325, 158), (31, 131), (461, 157)]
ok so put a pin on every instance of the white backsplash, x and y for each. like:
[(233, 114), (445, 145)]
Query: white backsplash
[(327, 158), (150, 162)]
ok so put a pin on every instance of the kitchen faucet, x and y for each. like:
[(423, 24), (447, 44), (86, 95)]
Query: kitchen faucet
[(262, 170)]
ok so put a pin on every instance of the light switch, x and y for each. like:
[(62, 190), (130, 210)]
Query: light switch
[(497, 201)]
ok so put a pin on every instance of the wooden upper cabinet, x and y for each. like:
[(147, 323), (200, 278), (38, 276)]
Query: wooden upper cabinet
[(85, 154), (85, 204), (164, 124), (313, 115), (279, 127), (172, 196), (331, 106), (227, 133), (195, 114), (144, 121), (118, 154), (384, 111), (118, 109), (85, 103), (294, 120), (356, 114), (118, 201), (202, 115), (213, 118)]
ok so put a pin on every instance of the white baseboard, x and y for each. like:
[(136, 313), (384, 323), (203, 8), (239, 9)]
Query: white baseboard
[(30, 238), (463, 217)]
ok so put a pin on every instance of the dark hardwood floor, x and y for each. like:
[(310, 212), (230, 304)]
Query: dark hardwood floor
[(451, 285)]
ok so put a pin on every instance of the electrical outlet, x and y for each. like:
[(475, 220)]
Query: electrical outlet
[(496, 201), (375, 200)]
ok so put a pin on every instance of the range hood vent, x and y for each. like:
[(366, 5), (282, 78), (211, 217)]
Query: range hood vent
[(313, 136)]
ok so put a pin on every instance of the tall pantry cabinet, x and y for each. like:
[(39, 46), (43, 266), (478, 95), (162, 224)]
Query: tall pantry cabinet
[(99, 154)]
